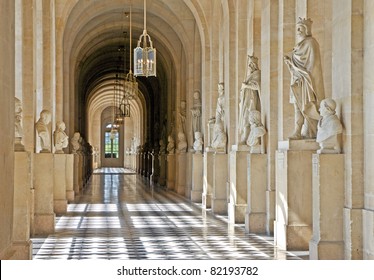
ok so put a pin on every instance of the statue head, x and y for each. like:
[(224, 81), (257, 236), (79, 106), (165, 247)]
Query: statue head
[(304, 27), (45, 116), (18, 106), (60, 125), (198, 135), (221, 89), (252, 63), (327, 107)]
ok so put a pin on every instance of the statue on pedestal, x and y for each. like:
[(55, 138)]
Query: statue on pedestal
[(196, 113), (306, 91), (43, 132), (249, 96), (219, 139), (328, 128), (61, 140)]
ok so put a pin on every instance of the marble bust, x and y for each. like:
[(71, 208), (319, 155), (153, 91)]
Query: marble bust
[(198, 144), (75, 142), (182, 142), (61, 140), (328, 128), (43, 132), (171, 145), (257, 131)]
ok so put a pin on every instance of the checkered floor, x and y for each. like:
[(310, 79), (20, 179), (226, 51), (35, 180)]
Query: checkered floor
[(120, 216)]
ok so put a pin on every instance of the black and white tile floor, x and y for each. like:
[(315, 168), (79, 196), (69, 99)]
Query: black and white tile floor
[(119, 216)]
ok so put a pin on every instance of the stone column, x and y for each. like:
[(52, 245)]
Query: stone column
[(197, 177), (69, 177), (44, 220), (255, 216), (328, 202), (208, 178), (59, 184), (293, 225), (238, 184), (188, 188), (22, 206), (181, 165), (170, 172), (219, 188)]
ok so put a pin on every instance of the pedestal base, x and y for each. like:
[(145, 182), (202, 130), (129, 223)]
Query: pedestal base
[(368, 236), (328, 203), (219, 190), (207, 179), (170, 183), (181, 173), (44, 217), (197, 177), (255, 217), (59, 184), (238, 187), (69, 179), (293, 199)]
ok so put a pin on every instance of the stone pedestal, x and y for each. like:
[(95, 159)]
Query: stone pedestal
[(44, 219), (207, 179), (255, 217), (69, 179), (219, 189), (328, 202), (181, 163), (162, 179), (59, 186), (77, 173), (238, 185), (197, 177), (188, 187), (293, 225), (170, 183), (22, 244)]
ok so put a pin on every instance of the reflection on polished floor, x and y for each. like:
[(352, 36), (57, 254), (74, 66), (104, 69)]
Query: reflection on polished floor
[(119, 216)]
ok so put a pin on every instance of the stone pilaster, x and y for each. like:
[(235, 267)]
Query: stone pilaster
[(207, 178)]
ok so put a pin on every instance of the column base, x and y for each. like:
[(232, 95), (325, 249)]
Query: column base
[(23, 250), (196, 196), (326, 250), (70, 196), (292, 237), (206, 201), (60, 206), (255, 222), (219, 206), (236, 213), (44, 224)]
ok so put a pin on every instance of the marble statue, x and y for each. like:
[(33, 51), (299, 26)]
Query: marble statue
[(43, 132), (18, 129), (257, 131), (249, 96), (75, 142), (182, 117), (328, 128), (182, 143), (196, 113), (61, 140), (220, 109), (171, 145), (307, 90), (219, 137), (199, 142)]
